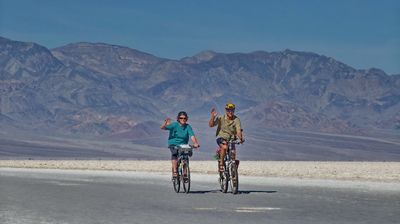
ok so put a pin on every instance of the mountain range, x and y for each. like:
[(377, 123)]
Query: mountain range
[(109, 91)]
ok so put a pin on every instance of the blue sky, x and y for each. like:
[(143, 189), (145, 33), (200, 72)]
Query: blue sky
[(360, 33)]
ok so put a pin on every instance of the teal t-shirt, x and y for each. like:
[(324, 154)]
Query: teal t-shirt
[(179, 134)]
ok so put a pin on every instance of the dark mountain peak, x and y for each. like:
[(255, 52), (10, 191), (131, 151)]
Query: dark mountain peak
[(288, 52), (100, 49), (205, 55), (12, 45), (4, 40), (21, 59), (105, 58), (200, 57), (315, 63), (376, 71)]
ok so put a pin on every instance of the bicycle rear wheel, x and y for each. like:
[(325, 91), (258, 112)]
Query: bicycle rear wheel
[(186, 177), (234, 178)]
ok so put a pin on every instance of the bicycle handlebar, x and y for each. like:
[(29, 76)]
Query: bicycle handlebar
[(236, 142), (185, 146)]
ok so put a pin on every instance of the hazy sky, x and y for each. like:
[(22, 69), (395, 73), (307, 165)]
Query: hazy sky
[(360, 33)]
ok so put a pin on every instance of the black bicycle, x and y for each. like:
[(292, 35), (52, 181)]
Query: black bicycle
[(230, 175), (183, 177)]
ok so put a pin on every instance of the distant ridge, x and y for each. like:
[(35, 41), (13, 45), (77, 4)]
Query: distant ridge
[(80, 87)]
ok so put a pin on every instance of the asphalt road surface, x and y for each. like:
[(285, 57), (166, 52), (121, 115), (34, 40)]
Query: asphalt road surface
[(59, 196)]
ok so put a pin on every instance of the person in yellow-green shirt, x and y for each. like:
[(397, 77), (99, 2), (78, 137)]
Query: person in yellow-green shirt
[(228, 128)]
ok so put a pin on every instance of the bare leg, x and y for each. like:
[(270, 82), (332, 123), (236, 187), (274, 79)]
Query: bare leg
[(174, 166), (222, 152)]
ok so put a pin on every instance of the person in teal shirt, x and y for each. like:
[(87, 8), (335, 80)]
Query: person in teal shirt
[(179, 133)]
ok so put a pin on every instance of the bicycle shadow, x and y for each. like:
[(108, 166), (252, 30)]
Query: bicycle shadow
[(240, 192), (204, 192), (256, 191)]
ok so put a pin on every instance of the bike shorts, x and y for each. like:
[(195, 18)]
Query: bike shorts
[(220, 140)]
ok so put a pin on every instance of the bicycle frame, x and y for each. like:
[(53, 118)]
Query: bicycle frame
[(230, 174)]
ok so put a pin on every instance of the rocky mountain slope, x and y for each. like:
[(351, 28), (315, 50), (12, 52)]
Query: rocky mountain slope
[(107, 90)]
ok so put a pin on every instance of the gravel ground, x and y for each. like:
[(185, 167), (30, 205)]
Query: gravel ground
[(368, 171)]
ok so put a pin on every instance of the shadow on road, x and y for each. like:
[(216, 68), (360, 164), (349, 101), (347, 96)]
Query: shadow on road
[(240, 192), (249, 192), (204, 192)]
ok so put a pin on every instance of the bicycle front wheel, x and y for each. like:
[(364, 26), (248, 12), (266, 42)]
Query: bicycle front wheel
[(223, 181), (234, 178), (186, 178), (176, 182)]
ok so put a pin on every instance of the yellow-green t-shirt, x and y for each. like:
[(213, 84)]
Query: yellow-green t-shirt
[(227, 128)]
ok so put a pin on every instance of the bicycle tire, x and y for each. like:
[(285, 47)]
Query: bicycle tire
[(223, 181), (186, 180), (234, 180), (176, 184)]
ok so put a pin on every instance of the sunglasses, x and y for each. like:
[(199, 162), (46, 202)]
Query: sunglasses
[(230, 110), (182, 118)]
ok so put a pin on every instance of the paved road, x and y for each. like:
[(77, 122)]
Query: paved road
[(57, 196)]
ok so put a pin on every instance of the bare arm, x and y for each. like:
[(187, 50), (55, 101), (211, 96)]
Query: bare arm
[(239, 134), (166, 122), (211, 122), (239, 131), (195, 142)]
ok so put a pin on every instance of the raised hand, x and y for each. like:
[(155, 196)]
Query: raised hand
[(166, 122), (214, 112)]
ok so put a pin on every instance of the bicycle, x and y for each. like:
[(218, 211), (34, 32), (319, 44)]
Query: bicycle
[(183, 170), (230, 175)]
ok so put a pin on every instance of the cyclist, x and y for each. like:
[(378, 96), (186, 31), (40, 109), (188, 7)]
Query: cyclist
[(179, 133), (228, 127)]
